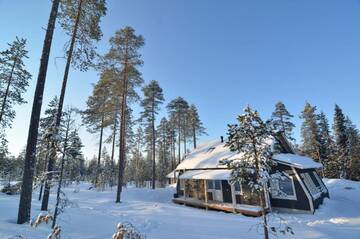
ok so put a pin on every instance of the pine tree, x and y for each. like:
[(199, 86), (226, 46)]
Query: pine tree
[(137, 159), (250, 137), (29, 164), (153, 97), (310, 133), (195, 124), (74, 168), (326, 146), (352, 169), (12, 167), (341, 140), (281, 120), (80, 19), (14, 79), (124, 58), (92, 169), (178, 109), (43, 146), (99, 112), (163, 149), (68, 124)]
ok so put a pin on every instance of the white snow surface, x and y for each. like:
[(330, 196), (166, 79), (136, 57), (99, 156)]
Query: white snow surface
[(208, 155), (219, 174), (94, 215), (172, 173), (297, 161)]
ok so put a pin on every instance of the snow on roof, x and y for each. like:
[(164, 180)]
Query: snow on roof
[(208, 155), (171, 174), (219, 174), (297, 161)]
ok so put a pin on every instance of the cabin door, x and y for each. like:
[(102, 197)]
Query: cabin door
[(218, 196)]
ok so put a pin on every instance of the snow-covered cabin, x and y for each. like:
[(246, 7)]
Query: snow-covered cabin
[(204, 182)]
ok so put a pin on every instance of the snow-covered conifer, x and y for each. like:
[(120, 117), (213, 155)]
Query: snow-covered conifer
[(250, 137)]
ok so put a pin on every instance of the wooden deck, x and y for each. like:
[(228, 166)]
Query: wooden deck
[(227, 207)]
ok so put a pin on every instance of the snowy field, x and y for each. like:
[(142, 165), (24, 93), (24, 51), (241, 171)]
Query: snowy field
[(95, 215)]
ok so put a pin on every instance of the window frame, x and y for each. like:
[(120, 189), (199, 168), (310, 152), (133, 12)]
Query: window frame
[(282, 195), (321, 183), (308, 181), (237, 192), (214, 190)]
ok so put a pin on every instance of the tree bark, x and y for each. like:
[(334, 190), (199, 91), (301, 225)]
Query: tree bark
[(122, 147), (99, 151), (179, 138), (194, 137), (61, 175), (184, 143), (113, 150), (113, 139), (153, 146), (45, 164), (7, 91), (27, 181), (262, 192), (45, 201)]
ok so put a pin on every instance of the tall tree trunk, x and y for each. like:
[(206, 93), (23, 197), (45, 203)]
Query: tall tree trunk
[(113, 138), (261, 193), (173, 151), (184, 143), (179, 139), (27, 181), (61, 175), (122, 147), (45, 201), (45, 166), (153, 147), (194, 137), (113, 151), (121, 150), (7, 92), (99, 151)]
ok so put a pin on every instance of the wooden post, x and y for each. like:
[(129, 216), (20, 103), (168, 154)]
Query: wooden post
[(267, 198), (185, 189), (233, 197), (206, 197)]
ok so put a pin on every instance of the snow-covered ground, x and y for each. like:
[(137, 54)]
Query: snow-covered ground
[(95, 215)]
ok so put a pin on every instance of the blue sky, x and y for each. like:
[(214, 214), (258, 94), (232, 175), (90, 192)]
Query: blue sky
[(219, 55)]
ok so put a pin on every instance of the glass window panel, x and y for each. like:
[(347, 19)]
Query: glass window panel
[(282, 188), (285, 186), (210, 184), (217, 184)]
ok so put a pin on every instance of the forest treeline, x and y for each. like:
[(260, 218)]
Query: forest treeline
[(142, 147), (147, 147)]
